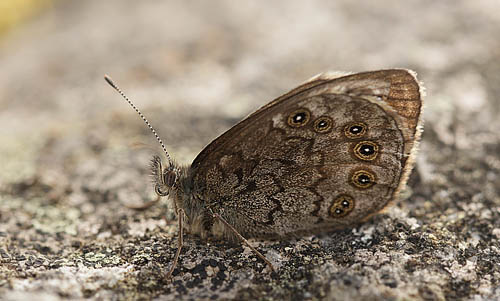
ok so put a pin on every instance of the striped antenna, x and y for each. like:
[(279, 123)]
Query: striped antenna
[(112, 84)]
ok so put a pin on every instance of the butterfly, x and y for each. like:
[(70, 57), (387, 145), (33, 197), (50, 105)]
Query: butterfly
[(329, 154)]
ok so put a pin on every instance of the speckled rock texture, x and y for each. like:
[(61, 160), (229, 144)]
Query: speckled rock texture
[(73, 154)]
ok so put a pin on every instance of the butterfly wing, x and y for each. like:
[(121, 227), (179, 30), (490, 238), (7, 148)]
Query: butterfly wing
[(328, 154)]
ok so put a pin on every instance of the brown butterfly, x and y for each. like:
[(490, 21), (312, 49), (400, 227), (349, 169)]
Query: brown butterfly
[(326, 155)]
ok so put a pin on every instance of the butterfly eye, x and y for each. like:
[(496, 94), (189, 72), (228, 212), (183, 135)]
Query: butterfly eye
[(341, 206), (366, 150), (299, 118), (363, 179), (323, 124), (355, 130), (170, 178)]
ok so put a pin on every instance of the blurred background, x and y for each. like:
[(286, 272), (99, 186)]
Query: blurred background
[(69, 155), (188, 62)]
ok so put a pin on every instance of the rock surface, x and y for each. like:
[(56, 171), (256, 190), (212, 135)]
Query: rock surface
[(69, 161)]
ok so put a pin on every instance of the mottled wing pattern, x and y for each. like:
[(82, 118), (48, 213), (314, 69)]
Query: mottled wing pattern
[(328, 154)]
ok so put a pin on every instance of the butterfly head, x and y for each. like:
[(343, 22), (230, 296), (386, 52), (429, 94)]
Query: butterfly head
[(164, 179)]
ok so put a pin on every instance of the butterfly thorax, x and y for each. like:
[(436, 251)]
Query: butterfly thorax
[(198, 212), (193, 205)]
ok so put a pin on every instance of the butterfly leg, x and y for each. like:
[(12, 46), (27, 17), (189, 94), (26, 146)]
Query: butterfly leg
[(217, 216), (180, 241), (145, 205)]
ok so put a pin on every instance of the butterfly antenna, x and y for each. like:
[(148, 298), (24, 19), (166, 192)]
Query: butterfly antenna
[(112, 84)]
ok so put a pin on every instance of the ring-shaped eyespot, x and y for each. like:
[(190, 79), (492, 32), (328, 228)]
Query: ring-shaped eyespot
[(299, 118), (355, 130), (366, 150), (363, 179), (341, 206), (159, 191), (323, 124)]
